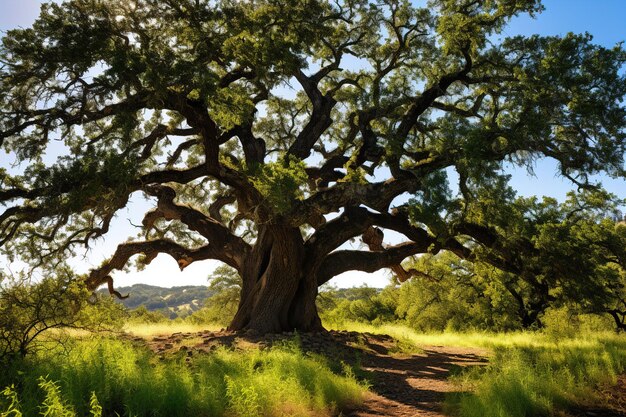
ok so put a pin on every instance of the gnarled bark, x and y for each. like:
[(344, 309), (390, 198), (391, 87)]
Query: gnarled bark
[(279, 286)]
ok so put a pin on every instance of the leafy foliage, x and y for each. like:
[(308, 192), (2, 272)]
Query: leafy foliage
[(581, 275), (453, 295), (281, 183), (249, 125), (220, 307), (570, 252), (360, 304)]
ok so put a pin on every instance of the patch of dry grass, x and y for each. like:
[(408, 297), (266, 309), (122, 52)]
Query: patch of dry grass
[(147, 330)]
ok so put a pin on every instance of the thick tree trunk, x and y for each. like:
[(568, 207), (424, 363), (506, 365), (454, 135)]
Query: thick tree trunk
[(279, 285)]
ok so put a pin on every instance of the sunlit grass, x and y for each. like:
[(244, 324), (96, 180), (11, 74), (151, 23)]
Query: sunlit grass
[(536, 380), (131, 381), (167, 328), (479, 339), (528, 374)]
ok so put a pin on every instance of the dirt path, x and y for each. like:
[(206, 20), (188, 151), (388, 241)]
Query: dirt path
[(414, 385), (402, 385)]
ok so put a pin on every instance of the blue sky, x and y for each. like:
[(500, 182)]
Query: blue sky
[(604, 19)]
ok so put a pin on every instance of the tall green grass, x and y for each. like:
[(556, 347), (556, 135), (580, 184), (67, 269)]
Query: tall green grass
[(537, 380), (528, 374), (130, 381), (483, 339)]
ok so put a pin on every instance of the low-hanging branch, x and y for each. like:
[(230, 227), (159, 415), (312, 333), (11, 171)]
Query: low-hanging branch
[(149, 249)]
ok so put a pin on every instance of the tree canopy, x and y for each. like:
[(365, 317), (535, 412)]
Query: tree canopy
[(268, 133)]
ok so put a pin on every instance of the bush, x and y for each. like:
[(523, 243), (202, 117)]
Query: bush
[(360, 304), (567, 322), (142, 315), (29, 309), (220, 308)]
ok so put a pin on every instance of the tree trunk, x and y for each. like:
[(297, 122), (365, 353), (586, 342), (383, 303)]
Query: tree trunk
[(279, 285)]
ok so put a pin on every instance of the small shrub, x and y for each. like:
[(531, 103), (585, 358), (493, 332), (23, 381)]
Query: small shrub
[(28, 310)]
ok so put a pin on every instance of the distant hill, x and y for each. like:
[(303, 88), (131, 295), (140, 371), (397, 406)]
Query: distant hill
[(180, 300)]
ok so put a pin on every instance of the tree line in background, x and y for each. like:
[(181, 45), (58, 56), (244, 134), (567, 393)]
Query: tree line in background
[(173, 302)]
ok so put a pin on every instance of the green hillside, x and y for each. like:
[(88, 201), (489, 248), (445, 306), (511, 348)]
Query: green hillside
[(180, 300)]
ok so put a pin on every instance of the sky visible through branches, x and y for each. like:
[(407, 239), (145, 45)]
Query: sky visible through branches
[(604, 19)]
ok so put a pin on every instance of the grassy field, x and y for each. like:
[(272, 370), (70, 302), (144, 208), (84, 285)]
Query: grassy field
[(154, 329), (529, 374), (127, 380)]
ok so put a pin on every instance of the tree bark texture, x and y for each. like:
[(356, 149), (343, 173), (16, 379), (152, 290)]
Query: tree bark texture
[(279, 285)]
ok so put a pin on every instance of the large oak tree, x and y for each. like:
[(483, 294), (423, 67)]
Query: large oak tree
[(267, 133)]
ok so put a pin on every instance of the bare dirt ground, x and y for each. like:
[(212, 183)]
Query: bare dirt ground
[(415, 385), (402, 384)]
